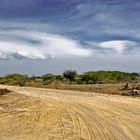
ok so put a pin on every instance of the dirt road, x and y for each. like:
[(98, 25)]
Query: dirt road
[(45, 114)]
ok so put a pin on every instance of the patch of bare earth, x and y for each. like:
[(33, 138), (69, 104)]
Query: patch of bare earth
[(46, 114)]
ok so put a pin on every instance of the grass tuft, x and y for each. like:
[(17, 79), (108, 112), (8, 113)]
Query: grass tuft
[(4, 91)]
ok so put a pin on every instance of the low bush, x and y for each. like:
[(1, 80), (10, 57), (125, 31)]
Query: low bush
[(48, 78)]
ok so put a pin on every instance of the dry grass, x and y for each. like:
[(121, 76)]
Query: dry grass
[(135, 86), (115, 89), (98, 88), (4, 91)]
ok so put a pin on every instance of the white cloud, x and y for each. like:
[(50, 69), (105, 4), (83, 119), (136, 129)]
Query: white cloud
[(50, 46), (25, 54), (38, 45), (117, 45), (2, 56)]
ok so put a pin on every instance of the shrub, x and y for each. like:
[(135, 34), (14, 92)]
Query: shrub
[(48, 78), (89, 79), (14, 79), (59, 77), (70, 75)]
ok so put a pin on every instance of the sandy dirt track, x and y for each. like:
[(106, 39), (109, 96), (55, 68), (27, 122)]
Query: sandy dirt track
[(45, 114)]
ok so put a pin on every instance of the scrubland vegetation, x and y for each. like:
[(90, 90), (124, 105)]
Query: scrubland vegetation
[(108, 82)]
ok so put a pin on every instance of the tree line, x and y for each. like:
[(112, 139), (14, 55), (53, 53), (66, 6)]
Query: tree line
[(72, 77)]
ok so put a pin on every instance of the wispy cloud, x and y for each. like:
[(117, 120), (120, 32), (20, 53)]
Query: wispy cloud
[(116, 47), (102, 30), (22, 44), (51, 45)]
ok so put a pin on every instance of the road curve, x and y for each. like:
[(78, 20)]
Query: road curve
[(46, 114)]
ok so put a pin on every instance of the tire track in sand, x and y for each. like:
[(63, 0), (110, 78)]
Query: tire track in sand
[(47, 119)]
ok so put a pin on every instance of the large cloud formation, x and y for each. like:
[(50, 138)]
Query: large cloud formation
[(37, 45), (23, 44)]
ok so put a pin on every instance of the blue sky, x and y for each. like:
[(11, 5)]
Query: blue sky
[(40, 36)]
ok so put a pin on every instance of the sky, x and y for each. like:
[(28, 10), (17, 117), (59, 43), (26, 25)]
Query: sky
[(50, 36)]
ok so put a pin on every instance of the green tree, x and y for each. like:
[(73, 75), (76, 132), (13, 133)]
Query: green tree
[(89, 79), (15, 79), (70, 75), (59, 77), (48, 78)]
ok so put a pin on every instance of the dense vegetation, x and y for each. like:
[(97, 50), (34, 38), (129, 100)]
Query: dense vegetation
[(14, 79), (71, 77)]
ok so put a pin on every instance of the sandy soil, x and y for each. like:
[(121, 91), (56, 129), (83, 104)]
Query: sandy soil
[(45, 114)]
